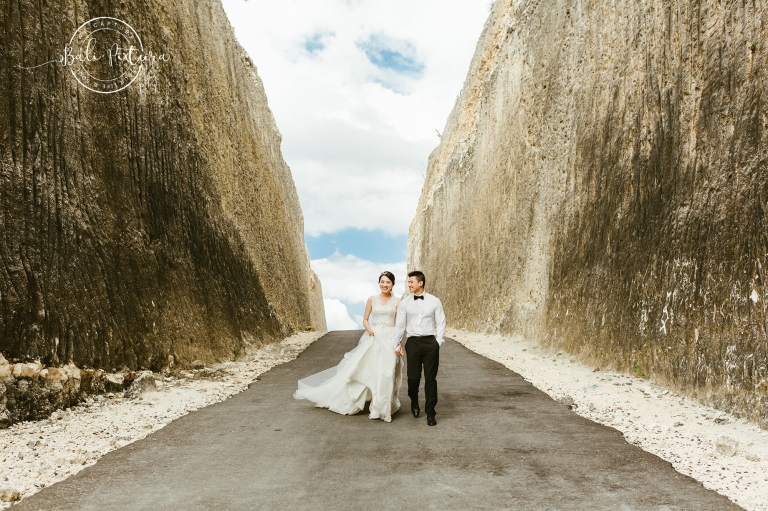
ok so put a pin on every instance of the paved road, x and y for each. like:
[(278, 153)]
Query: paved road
[(499, 444)]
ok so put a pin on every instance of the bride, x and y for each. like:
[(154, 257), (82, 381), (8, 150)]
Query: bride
[(370, 372)]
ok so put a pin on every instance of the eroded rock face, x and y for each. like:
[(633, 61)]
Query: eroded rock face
[(601, 186), (157, 221)]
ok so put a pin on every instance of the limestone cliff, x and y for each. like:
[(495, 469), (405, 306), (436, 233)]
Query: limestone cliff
[(159, 221), (601, 186)]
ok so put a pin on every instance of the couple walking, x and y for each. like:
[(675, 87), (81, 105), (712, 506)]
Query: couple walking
[(373, 370)]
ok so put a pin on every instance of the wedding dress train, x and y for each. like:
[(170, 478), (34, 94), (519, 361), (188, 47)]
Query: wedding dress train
[(372, 371)]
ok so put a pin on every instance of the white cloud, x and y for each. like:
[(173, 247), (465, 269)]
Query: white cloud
[(355, 146), (349, 280), (337, 316), (352, 280)]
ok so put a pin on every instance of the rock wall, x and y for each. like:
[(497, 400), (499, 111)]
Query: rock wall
[(316, 306), (155, 222), (601, 186)]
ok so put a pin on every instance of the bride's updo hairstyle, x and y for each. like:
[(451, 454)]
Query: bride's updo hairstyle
[(389, 275)]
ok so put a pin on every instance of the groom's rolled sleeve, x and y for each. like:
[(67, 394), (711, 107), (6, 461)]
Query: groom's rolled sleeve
[(397, 336), (440, 323)]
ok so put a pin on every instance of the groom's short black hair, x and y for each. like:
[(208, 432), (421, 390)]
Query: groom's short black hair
[(419, 276)]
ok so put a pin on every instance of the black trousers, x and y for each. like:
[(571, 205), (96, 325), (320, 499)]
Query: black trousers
[(423, 351)]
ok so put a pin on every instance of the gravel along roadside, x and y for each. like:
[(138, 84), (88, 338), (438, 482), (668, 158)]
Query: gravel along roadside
[(726, 454), (34, 455)]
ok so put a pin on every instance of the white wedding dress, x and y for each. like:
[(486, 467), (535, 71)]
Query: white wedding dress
[(370, 372)]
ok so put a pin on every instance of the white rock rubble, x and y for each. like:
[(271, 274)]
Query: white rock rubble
[(34, 455), (691, 436), (726, 454)]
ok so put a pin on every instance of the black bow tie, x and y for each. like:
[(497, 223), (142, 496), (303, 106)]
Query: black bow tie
[(418, 297)]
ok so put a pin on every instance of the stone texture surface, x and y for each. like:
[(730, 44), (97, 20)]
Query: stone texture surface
[(9, 495), (156, 224), (600, 186), (26, 395), (144, 382)]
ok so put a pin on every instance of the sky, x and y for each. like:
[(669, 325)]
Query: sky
[(360, 91)]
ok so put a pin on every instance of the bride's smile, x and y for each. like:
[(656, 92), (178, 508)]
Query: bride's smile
[(386, 286)]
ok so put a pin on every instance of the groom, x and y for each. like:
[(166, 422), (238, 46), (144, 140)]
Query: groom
[(421, 316)]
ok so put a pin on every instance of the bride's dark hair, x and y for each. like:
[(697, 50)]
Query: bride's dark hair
[(389, 275)]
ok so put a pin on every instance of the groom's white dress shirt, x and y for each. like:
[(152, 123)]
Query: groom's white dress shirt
[(419, 318)]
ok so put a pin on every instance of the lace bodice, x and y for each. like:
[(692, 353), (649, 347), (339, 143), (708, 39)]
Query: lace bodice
[(382, 315)]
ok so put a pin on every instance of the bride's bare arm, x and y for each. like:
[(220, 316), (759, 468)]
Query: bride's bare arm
[(400, 351), (368, 308)]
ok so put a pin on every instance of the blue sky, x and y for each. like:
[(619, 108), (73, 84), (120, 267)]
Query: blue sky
[(351, 257), (395, 55), (376, 246), (358, 90), (314, 44)]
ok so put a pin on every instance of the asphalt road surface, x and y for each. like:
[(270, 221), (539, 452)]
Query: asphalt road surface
[(499, 444)]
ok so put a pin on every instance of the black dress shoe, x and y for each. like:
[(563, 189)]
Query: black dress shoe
[(415, 410), (431, 421)]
